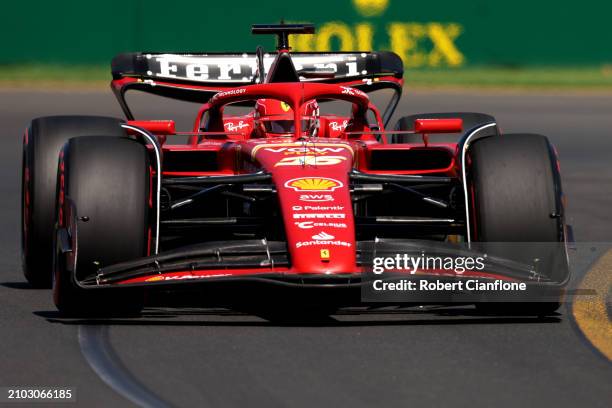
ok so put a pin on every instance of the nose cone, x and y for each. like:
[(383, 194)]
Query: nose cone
[(314, 197)]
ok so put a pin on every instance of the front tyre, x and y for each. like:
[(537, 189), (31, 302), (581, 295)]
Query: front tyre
[(514, 188), (103, 207)]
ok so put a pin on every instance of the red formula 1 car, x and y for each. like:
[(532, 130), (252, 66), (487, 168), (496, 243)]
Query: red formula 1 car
[(289, 188)]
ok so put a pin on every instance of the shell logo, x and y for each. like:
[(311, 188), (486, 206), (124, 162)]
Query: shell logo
[(371, 8), (313, 184), (155, 279)]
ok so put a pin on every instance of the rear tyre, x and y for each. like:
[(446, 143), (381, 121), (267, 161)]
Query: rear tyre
[(103, 206), (515, 193), (41, 145)]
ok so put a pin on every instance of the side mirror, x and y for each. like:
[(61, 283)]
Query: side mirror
[(157, 127), (450, 125)]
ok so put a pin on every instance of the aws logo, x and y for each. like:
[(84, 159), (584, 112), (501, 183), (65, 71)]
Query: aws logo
[(431, 44)]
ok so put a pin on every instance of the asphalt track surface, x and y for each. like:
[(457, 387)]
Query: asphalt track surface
[(213, 358)]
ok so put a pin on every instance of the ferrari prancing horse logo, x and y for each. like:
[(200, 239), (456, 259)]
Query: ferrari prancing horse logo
[(325, 255)]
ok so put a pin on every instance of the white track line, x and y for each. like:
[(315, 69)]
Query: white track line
[(99, 354)]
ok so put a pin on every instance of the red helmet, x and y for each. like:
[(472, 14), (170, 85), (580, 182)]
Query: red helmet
[(275, 118)]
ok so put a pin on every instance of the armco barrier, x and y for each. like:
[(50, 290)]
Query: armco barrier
[(443, 33)]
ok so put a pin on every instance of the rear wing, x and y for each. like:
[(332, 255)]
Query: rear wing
[(240, 69), (196, 77)]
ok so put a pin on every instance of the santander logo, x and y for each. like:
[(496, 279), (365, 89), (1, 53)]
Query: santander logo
[(323, 236)]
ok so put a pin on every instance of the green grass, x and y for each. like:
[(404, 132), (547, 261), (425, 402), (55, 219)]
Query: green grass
[(54, 75), (588, 78)]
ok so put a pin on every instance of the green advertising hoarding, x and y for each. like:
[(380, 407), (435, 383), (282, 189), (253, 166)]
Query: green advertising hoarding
[(426, 34)]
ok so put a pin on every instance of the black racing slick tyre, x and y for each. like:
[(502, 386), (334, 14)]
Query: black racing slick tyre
[(42, 143), (516, 197), (103, 207)]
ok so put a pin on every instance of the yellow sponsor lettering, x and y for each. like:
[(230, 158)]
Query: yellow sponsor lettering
[(363, 34), (418, 44), (443, 38), (337, 30), (302, 43), (404, 39)]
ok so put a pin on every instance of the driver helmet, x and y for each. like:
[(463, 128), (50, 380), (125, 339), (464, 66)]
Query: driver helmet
[(275, 118)]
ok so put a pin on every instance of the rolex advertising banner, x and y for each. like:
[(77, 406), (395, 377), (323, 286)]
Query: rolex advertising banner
[(426, 34)]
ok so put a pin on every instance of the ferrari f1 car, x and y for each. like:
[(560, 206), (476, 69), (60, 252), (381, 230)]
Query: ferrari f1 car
[(270, 198)]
